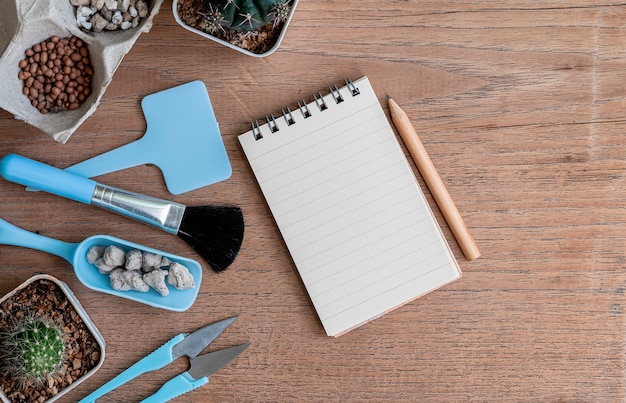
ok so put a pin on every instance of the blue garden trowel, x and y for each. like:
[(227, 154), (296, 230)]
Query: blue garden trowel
[(182, 138)]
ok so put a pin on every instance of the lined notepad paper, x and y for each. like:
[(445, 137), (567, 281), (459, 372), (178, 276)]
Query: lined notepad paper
[(348, 206)]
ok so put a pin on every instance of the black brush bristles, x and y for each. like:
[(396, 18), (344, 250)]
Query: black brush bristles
[(216, 233)]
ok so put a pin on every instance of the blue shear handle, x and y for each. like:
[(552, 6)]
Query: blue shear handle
[(155, 360), (175, 387)]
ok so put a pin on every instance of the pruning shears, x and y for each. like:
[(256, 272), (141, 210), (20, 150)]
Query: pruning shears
[(200, 367)]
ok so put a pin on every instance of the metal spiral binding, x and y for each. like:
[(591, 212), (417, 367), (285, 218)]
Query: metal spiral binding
[(272, 124), (303, 106), (353, 88), (336, 94), (321, 104), (304, 109), (288, 117), (256, 130)]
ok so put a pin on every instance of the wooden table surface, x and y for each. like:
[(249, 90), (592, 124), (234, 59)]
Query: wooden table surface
[(521, 106)]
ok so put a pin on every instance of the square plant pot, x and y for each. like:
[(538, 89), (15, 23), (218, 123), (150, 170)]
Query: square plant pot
[(26, 23), (187, 22), (45, 299)]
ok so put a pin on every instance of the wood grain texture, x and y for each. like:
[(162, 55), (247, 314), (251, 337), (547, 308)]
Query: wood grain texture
[(521, 107)]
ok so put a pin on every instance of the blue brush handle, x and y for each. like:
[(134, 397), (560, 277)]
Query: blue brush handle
[(155, 360), (175, 387), (159, 213), (25, 171)]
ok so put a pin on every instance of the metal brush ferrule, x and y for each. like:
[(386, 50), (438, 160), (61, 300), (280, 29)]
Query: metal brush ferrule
[(160, 213)]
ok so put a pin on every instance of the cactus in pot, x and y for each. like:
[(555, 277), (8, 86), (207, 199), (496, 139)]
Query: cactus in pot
[(32, 349), (253, 27), (244, 15), (66, 345)]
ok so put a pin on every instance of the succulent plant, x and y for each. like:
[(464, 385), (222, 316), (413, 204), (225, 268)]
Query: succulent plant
[(32, 349), (244, 15)]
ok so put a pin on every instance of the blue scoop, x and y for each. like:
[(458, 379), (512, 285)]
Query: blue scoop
[(88, 274), (182, 138)]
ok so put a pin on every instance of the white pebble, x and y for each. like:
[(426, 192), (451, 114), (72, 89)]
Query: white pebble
[(151, 261), (94, 253), (133, 11), (106, 13), (123, 4), (83, 15), (85, 11), (125, 25), (114, 256), (110, 4), (117, 18), (99, 22), (135, 280), (165, 262), (103, 268), (119, 281), (133, 260), (82, 21), (142, 8), (156, 280), (180, 277)]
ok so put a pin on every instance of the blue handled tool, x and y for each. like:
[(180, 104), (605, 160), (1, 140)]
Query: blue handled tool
[(201, 367)]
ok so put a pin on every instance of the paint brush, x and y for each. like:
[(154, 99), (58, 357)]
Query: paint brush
[(214, 232)]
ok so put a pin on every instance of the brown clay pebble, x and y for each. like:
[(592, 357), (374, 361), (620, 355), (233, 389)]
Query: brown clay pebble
[(53, 70)]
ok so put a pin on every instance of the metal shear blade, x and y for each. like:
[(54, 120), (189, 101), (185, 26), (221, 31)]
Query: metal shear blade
[(208, 364), (201, 368), (195, 342)]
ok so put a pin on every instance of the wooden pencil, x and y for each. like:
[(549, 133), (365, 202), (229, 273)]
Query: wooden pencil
[(433, 181)]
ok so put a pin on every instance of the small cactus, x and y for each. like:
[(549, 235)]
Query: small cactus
[(244, 15), (213, 20), (32, 349)]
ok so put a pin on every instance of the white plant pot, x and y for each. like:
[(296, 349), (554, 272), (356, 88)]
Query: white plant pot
[(230, 45), (83, 315)]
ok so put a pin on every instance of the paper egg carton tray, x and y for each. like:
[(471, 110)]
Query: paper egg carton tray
[(24, 23)]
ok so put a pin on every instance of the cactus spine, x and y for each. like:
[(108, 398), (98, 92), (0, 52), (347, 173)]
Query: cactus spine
[(33, 349), (244, 15)]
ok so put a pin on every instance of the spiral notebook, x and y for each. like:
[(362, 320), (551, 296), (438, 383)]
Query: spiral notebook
[(353, 216)]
